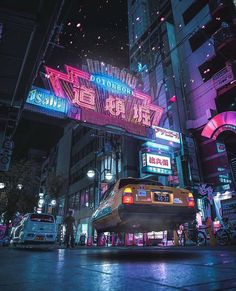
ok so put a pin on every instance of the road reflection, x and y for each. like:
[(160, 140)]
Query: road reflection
[(129, 255)]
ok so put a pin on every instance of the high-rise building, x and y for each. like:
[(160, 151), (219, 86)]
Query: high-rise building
[(185, 51), (154, 54), (206, 40)]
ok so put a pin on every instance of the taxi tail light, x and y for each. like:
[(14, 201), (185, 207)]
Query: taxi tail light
[(127, 199), (191, 202), (127, 190)]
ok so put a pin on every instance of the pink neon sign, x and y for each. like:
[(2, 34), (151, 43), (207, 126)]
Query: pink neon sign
[(221, 122), (134, 112)]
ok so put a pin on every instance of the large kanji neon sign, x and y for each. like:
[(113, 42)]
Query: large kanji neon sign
[(105, 100)]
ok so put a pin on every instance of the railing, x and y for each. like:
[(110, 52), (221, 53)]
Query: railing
[(223, 35), (224, 76)]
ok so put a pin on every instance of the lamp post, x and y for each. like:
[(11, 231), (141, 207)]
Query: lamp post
[(19, 186), (92, 173)]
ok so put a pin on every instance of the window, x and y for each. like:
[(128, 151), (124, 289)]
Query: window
[(193, 10), (208, 69), (42, 218), (124, 182), (203, 34)]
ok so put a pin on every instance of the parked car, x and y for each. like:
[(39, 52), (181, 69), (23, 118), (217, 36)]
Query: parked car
[(35, 228)]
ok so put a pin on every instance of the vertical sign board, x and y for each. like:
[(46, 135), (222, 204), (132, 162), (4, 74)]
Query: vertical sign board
[(6, 153), (228, 207)]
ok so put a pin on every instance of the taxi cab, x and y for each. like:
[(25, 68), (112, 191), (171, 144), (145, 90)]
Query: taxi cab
[(35, 228), (141, 205)]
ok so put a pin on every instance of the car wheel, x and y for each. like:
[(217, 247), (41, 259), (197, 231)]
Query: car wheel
[(222, 237)]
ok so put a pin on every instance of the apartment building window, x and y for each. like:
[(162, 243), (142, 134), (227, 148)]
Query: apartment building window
[(203, 34), (208, 69), (193, 10), (139, 20), (84, 198)]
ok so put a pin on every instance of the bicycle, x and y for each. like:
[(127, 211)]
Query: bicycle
[(225, 234), (191, 233)]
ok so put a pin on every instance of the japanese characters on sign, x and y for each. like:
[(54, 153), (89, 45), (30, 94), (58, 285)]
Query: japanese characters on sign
[(112, 101), (156, 163), (166, 134)]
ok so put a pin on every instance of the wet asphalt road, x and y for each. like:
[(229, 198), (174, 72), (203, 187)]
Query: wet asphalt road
[(108, 269)]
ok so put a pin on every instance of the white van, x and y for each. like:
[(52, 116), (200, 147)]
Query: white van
[(35, 228)]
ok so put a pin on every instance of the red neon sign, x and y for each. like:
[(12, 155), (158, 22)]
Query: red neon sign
[(221, 122), (134, 112)]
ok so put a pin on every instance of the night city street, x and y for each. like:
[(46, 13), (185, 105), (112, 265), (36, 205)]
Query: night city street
[(117, 145), (108, 269)]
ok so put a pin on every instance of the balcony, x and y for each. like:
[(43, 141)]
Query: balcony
[(225, 77), (225, 41)]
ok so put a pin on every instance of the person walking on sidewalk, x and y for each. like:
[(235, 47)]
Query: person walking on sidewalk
[(69, 222)]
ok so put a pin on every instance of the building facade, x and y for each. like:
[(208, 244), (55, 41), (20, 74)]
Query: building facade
[(205, 32), (154, 54), (185, 52)]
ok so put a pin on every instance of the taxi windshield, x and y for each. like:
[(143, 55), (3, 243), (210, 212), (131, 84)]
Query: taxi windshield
[(124, 182)]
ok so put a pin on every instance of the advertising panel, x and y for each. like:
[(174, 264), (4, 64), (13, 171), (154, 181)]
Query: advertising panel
[(153, 163), (107, 96), (44, 99), (166, 134), (228, 207), (6, 153)]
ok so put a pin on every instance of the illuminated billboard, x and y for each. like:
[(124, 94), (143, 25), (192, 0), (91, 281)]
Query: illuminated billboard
[(107, 96), (44, 99), (166, 134), (153, 163)]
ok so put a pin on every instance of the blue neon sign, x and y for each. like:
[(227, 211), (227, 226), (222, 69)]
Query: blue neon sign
[(43, 98), (111, 84)]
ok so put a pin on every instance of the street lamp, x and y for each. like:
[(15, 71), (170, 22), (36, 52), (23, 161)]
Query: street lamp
[(108, 176), (41, 195), (91, 174), (2, 185), (53, 202), (19, 186)]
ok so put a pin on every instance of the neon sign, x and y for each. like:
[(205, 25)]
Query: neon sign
[(111, 84), (166, 134), (106, 100), (223, 121), (45, 99), (156, 164)]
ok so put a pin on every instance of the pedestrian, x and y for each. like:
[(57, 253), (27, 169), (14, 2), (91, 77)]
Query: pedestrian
[(69, 222)]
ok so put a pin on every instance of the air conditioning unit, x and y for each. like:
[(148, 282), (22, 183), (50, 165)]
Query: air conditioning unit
[(224, 76)]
